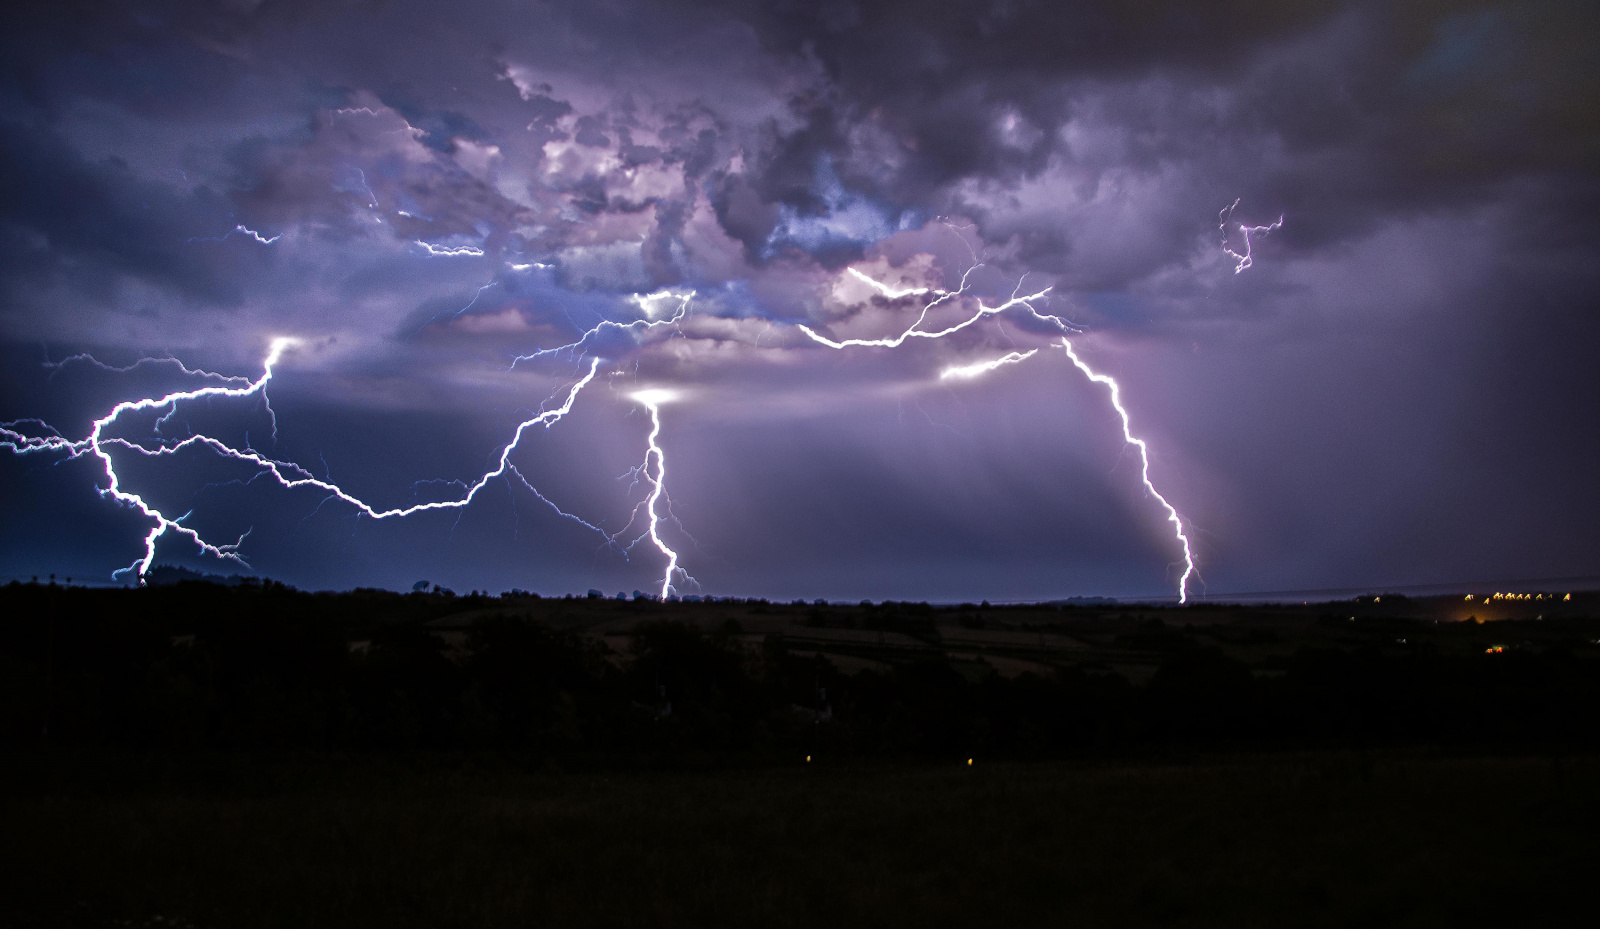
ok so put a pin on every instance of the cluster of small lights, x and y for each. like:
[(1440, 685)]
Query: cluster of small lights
[(1508, 596)]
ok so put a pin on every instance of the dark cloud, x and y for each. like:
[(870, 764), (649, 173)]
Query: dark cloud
[(66, 217)]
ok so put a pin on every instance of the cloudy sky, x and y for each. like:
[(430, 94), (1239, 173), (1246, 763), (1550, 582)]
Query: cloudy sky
[(1401, 389)]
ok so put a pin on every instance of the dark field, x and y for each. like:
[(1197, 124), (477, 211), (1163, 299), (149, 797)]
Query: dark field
[(198, 755), (265, 670), (1306, 840)]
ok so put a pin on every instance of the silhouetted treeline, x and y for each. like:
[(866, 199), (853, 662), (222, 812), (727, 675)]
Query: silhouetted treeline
[(196, 667)]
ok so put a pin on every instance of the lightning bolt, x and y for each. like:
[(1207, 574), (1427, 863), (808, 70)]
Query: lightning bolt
[(940, 296), (894, 293), (86, 358), (1242, 260), (445, 251), (661, 309), (256, 235), (457, 314), (651, 400), (651, 305), (288, 474), (372, 198), (242, 229), (978, 369), (646, 303), (610, 542), (1144, 459), (291, 476), (95, 443), (970, 371)]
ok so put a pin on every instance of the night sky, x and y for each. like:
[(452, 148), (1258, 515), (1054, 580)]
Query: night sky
[(1402, 388)]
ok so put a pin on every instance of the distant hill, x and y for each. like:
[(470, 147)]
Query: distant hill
[(166, 575)]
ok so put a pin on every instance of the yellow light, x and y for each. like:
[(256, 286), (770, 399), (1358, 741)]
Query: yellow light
[(808, 759), (969, 762)]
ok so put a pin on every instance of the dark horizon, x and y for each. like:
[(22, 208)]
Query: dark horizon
[(1550, 586)]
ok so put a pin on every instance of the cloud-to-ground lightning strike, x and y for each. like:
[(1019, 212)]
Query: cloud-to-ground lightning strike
[(1242, 259), (94, 444), (980, 368), (967, 371), (1144, 464), (654, 310), (287, 474), (651, 400), (977, 369), (649, 305), (292, 476)]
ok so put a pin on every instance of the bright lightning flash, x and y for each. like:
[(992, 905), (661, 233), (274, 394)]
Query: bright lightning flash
[(975, 370), (445, 251), (654, 309), (1144, 460), (652, 400), (288, 474), (940, 296), (978, 369), (95, 444)]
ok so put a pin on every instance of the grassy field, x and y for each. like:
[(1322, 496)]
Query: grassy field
[(1304, 840)]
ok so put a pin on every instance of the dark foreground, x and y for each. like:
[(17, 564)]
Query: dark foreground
[(1323, 839), (269, 671), (202, 755)]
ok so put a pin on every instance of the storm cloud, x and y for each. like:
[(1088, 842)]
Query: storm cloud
[(437, 198)]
